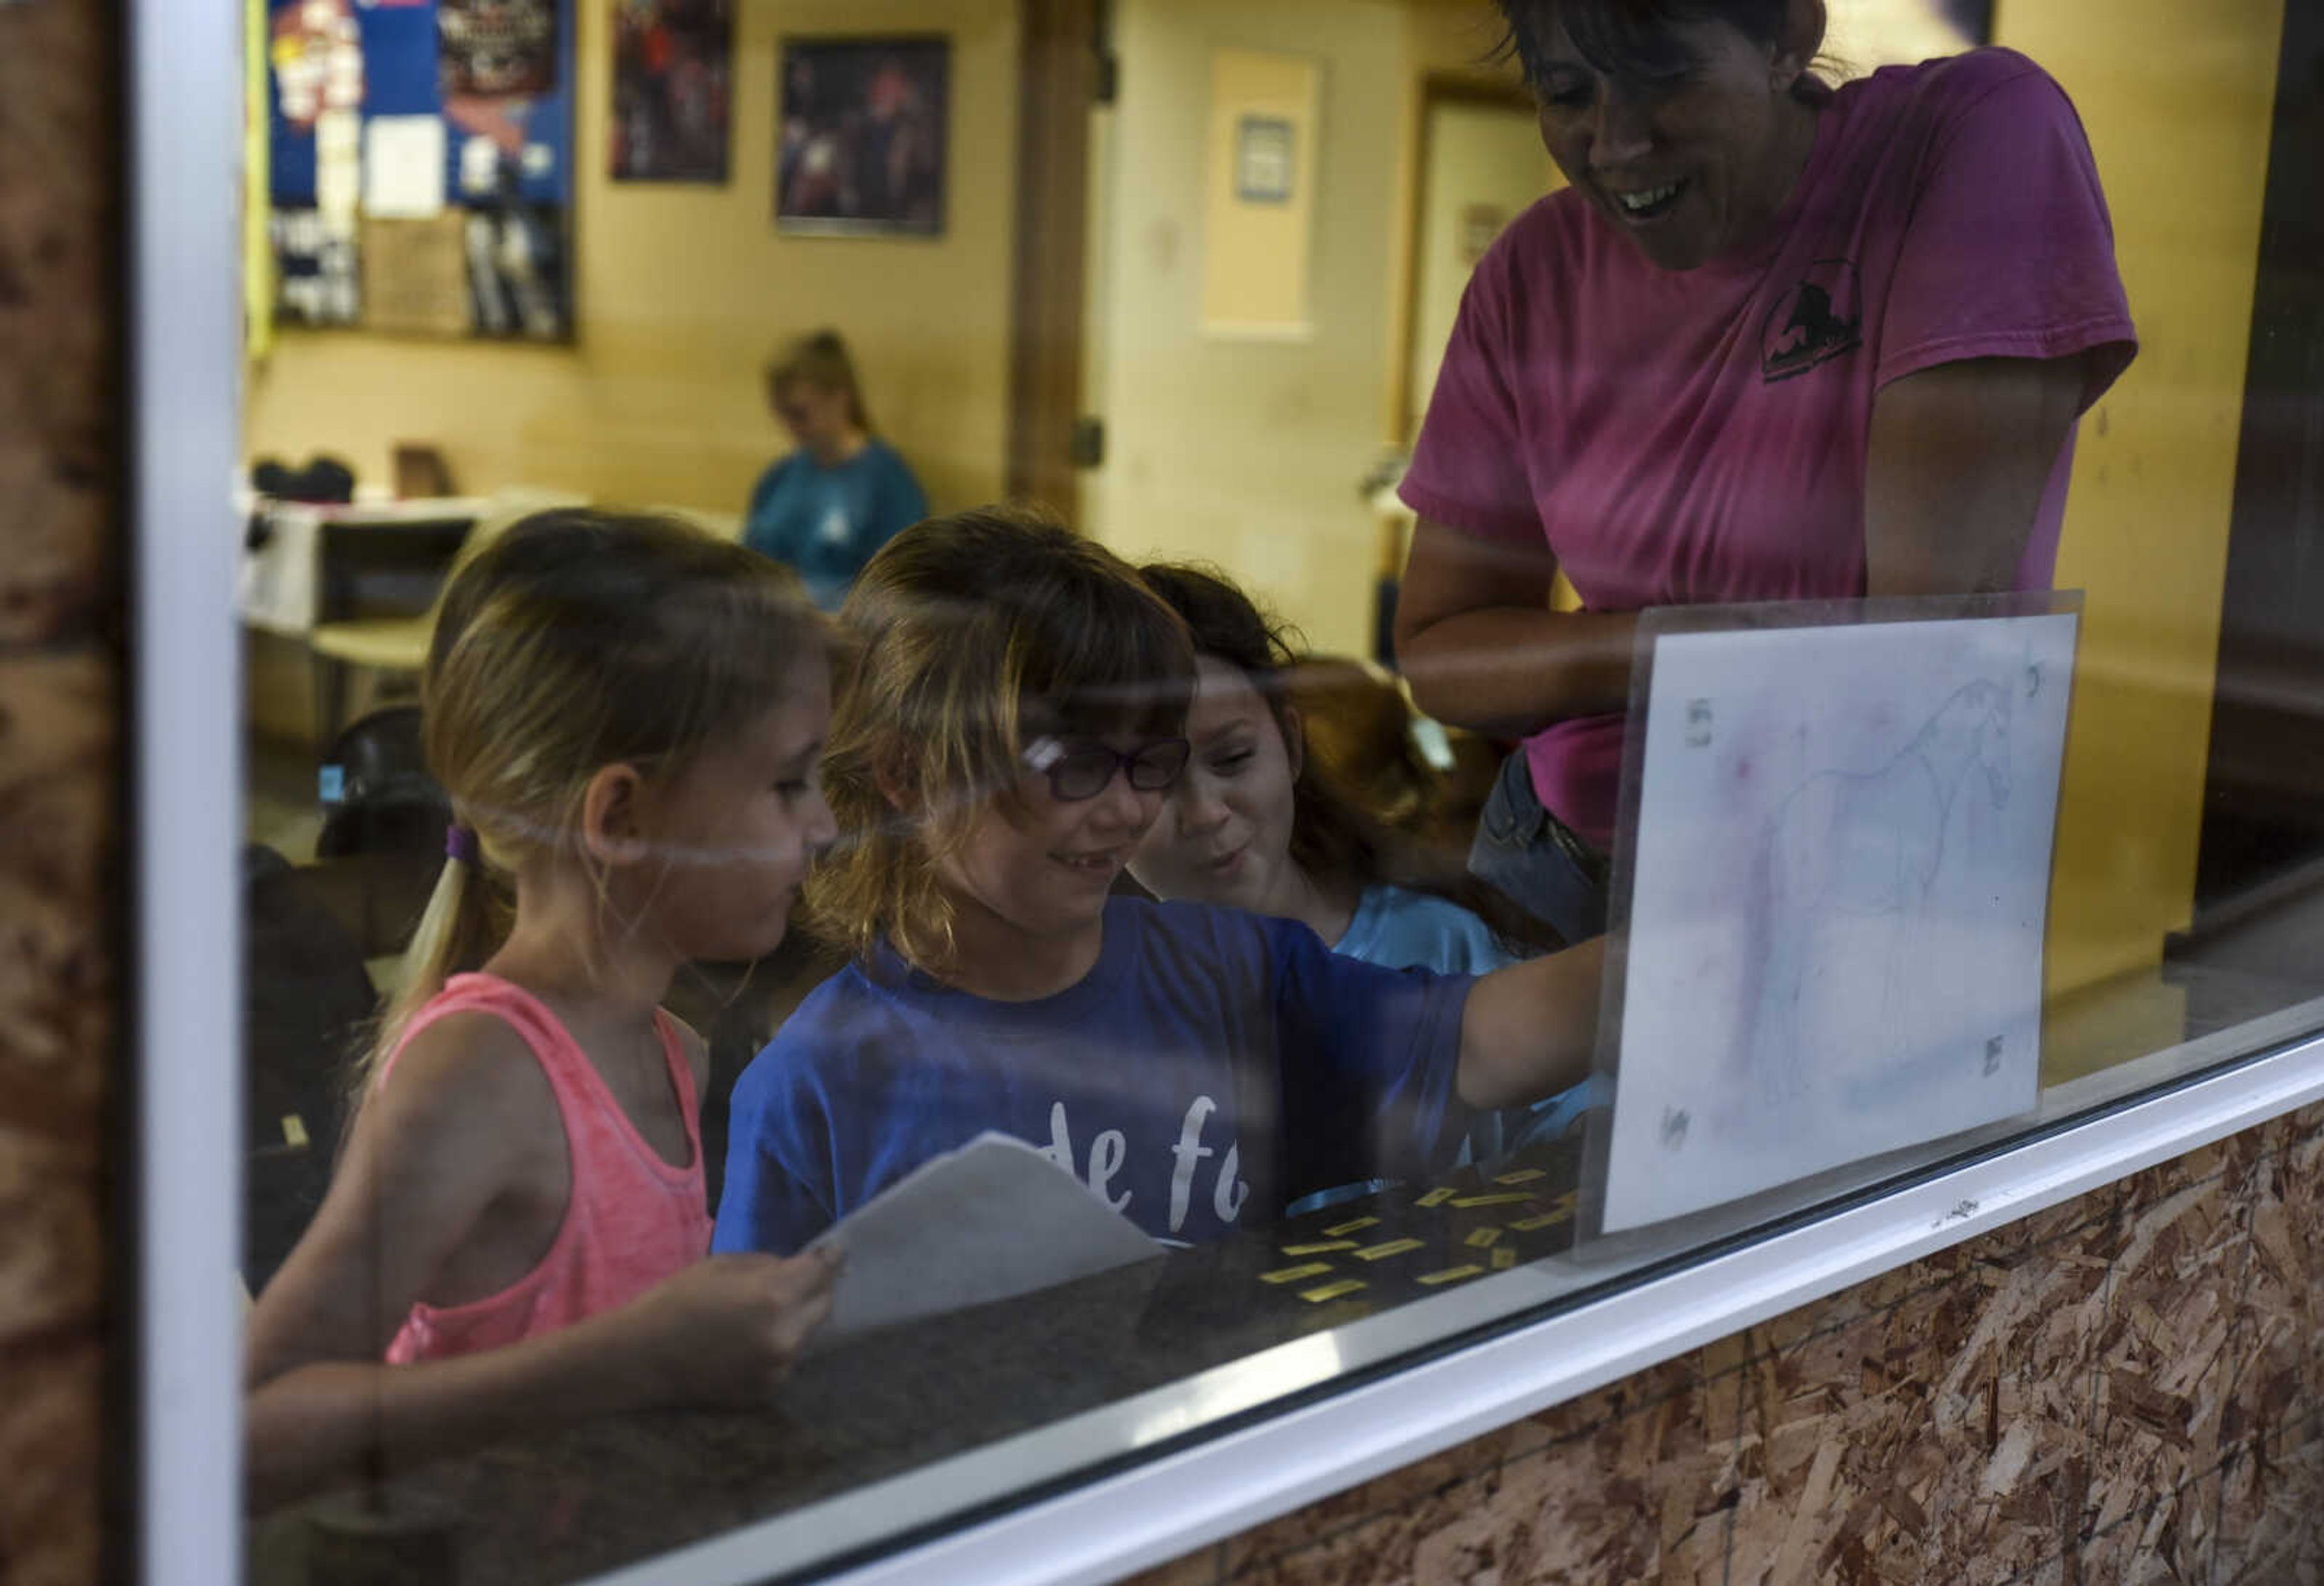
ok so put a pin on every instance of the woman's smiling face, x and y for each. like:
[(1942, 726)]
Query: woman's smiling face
[(1225, 833), (1690, 155)]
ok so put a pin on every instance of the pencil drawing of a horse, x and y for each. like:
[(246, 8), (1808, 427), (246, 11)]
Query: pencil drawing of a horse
[(1839, 882)]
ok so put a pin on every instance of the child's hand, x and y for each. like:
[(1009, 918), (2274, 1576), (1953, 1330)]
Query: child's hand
[(724, 1331)]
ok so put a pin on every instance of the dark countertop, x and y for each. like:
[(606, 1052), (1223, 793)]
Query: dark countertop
[(617, 1491)]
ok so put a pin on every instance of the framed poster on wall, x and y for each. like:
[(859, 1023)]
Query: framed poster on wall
[(422, 129), (862, 146), (673, 81)]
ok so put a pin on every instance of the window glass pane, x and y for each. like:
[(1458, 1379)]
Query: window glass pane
[(1044, 720)]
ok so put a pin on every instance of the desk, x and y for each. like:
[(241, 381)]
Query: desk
[(290, 579), (620, 1491), (304, 566)]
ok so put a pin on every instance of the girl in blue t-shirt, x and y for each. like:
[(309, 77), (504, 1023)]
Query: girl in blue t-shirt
[(842, 492), (1256, 823), (1014, 723)]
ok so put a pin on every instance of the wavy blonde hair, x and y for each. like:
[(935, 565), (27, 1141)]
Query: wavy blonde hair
[(965, 638), (581, 639)]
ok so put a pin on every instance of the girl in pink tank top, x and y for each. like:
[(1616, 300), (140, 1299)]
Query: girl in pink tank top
[(628, 717)]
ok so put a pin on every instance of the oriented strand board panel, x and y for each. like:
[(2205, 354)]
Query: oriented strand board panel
[(2127, 1387), (59, 773), (57, 224)]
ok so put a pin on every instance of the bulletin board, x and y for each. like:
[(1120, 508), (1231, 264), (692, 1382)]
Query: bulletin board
[(420, 165)]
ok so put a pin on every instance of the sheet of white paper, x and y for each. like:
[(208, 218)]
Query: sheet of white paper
[(991, 1221), (1841, 882), (403, 167)]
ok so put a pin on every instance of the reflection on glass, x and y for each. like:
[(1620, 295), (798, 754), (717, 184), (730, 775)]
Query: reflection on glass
[(1242, 1386), (1254, 887)]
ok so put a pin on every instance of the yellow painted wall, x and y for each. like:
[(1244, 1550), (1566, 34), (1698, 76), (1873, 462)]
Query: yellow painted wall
[(1450, 39), (1255, 253), (683, 292), (2182, 137), (1477, 156), (1245, 452)]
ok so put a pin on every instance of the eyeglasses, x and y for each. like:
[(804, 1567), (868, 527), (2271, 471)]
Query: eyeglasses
[(1083, 770)]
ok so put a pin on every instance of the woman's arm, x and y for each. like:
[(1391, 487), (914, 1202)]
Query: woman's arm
[(1528, 1031), (1958, 457), (1476, 638), (429, 1155)]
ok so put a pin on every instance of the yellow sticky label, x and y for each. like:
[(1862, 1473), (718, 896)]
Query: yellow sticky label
[(294, 1130), (1569, 1200), (1331, 1291), (1353, 1223), (1451, 1275), (1482, 1238), (1523, 1176), (1528, 1224), (1505, 1257), (1509, 1199), (1437, 1197), (1294, 1274), (1322, 1248), (1395, 1246)]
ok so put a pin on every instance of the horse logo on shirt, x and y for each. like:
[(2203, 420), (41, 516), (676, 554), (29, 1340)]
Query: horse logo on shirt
[(1813, 323)]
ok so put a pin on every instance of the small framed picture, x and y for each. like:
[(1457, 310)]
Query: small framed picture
[(1263, 160), (861, 147), (672, 78)]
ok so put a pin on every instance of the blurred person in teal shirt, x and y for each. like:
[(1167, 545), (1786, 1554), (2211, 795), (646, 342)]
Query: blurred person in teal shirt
[(842, 492)]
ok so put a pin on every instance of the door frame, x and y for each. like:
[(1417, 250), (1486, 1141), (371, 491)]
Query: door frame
[(1438, 88), (1059, 80)]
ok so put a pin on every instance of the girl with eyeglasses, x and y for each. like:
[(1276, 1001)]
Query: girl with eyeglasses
[(1014, 721)]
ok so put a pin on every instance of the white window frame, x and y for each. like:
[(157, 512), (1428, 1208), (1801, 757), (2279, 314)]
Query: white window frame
[(181, 97)]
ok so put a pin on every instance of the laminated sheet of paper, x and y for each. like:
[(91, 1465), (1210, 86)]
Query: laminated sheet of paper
[(1841, 879), (991, 1221), (403, 167)]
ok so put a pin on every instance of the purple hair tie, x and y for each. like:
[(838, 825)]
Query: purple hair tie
[(461, 843)]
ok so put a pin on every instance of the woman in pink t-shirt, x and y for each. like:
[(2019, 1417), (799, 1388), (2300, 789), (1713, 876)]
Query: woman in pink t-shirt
[(1775, 341)]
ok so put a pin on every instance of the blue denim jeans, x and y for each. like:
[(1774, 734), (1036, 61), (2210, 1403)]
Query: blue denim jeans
[(1539, 863), (1536, 860)]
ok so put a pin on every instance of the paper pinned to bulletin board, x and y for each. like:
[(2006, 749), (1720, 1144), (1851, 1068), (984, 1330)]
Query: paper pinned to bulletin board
[(1266, 118), (455, 116)]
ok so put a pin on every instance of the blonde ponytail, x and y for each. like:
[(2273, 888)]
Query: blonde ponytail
[(466, 919)]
